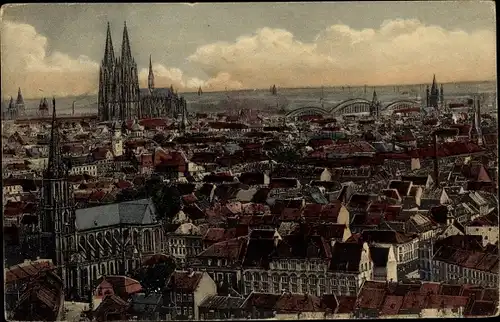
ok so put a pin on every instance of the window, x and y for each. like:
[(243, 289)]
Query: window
[(178, 297), (265, 287), (190, 297), (293, 265), (264, 277), (276, 278)]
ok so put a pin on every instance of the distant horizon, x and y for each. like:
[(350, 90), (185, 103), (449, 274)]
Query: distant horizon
[(7, 98)]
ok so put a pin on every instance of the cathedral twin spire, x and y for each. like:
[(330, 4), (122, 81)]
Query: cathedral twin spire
[(109, 54)]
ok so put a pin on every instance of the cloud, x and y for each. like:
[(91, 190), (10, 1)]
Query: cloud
[(26, 64), (399, 51), (166, 76)]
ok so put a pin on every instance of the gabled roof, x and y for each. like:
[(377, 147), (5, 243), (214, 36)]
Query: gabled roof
[(184, 281), (137, 212)]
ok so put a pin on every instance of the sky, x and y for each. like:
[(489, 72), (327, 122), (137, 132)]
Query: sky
[(56, 49)]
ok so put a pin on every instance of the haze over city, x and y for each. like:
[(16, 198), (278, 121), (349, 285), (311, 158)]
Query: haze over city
[(57, 48)]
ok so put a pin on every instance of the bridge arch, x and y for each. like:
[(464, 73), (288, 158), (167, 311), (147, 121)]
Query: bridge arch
[(401, 104), (353, 105), (307, 110)]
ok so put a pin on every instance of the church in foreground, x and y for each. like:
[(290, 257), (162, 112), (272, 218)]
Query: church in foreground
[(120, 97)]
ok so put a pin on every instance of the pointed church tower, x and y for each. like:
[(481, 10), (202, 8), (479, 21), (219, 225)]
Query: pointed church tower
[(374, 105), (20, 99), (434, 97), (129, 97), (19, 103), (109, 52), (151, 77), (107, 80), (441, 96), (427, 96), (56, 217), (126, 53)]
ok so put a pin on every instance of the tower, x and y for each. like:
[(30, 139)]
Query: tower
[(107, 81), (434, 94), (427, 96), (374, 105), (56, 212), (118, 82), (19, 103), (116, 140), (129, 102), (441, 96), (10, 113), (151, 77)]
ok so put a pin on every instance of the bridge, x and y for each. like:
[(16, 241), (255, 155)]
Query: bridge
[(353, 106)]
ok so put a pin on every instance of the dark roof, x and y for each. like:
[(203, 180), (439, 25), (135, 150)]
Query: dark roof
[(379, 256), (303, 246), (386, 237), (185, 281), (346, 257), (216, 302), (261, 301), (259, 249)]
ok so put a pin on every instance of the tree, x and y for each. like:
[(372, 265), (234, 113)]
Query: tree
[(167, 200), (287, 155)]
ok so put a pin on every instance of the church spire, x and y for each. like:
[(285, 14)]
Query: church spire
[(374, 98), (434, 87), (54, 169), (11, 103), (20, 99), (151, 76), (109, 53), (126, 54)]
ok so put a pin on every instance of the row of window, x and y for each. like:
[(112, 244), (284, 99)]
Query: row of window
[(297, 266), (317, 290), (184, 297), (294, 279)]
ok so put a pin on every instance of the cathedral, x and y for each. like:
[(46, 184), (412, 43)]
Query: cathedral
[(120, 97), (88, 243), (434, 96), (15, 109)]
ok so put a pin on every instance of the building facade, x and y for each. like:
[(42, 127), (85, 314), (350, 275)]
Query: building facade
[(85, 244)]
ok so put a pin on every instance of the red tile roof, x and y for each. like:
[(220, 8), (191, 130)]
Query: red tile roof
[(23, 271), (184, 281)]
